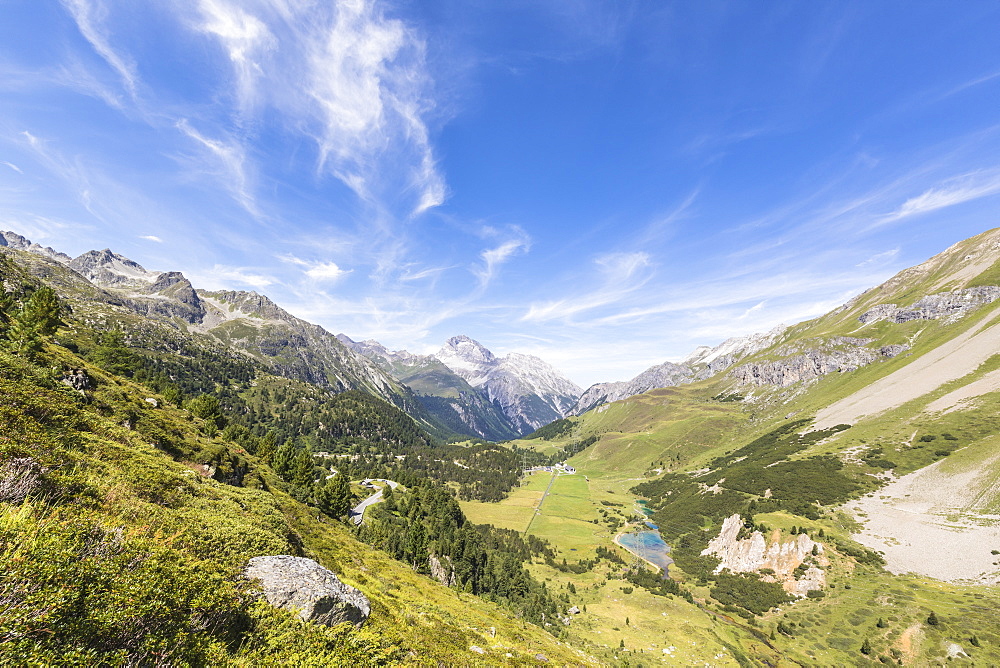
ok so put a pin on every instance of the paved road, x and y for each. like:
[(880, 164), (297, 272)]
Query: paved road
[(357, 513)]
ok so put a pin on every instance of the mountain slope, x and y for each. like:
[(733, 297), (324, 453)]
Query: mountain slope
[(443, 393), (246, 323), (125, 520), (530, 392)]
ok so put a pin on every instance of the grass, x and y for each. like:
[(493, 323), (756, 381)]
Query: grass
[(516, 511)]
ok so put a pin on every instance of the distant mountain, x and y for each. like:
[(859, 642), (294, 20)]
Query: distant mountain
[(530, 392), (702, 363), (476, 392), (661, 375), (17, 242), (244, 322), (445, 394)]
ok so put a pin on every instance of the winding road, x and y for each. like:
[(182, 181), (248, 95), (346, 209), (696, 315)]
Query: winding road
[(357, 514)]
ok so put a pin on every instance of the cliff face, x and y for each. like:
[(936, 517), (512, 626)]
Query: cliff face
[(952, 305), (840, 354), (751, 555)]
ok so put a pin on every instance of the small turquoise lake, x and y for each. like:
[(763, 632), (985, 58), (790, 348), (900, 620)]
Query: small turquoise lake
[(648, 545)]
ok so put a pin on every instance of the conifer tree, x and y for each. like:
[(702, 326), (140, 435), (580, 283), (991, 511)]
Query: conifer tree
[(36, 320), (334, 496)]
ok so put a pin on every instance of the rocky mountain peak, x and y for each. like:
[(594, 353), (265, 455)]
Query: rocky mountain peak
[(17, 242), (111, 270), (465, 353)]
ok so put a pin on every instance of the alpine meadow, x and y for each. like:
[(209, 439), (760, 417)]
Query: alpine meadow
[(570, 333)]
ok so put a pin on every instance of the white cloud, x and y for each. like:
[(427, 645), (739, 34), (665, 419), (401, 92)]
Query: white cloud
[(151, 237), (221, 276), (622, 266), (13, 166), (326, 271), (347, 76), (89, 17), (244, 36), (880, 258), (621, 276), (231, 158), (498, 255), (954, 191)]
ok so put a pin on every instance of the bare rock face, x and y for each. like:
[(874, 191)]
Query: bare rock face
[(839, 354), (442, 570), (952, 305), (751, 555), (303, 586)]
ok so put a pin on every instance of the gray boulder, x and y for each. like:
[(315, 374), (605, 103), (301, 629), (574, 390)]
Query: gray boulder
[(303, 586)]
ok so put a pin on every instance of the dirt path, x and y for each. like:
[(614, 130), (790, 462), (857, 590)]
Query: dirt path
[(538, 508), (948, 362)]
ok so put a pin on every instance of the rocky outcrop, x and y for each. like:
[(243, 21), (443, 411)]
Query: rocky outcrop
[(755, 553), (442, 571), (952, 305), (77, 379), (314, 593), (839, 354)]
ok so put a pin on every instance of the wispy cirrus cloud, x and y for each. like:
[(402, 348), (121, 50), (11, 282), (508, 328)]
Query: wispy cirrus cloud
[(90, 17), (12, 166), (493, 258), (620, 274), (324, 271), (152, 237), (222, 276), (347, 76), (957, 190), (231, 161)]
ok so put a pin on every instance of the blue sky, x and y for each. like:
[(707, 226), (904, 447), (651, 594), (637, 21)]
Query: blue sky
[(604, 184)]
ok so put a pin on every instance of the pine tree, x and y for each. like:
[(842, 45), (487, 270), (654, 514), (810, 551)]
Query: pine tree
[(881, 623), (932, 619), (334, 496), (866, 647), (36, 320)]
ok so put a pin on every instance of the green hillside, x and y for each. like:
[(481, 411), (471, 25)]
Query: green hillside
[(894, 483), (126, 520)]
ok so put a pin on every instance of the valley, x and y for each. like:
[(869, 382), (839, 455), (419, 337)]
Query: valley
[(822, 494)]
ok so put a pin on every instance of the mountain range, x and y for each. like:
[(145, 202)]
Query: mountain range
[(827, 489), (463, 389)]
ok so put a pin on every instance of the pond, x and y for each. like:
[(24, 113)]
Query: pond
[(648, 545)]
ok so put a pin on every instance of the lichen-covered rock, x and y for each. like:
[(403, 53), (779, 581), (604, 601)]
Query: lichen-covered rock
[(313, 592)]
